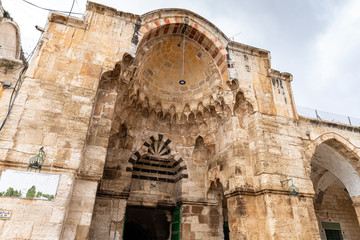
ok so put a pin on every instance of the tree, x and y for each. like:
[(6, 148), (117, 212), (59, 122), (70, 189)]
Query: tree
[(31, 192), (9, 192)]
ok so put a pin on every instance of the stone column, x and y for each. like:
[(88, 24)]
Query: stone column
[(356, 204), (201, 222), (271, 215), (290, 217), (108, 219), (78, 219), (247, 217)]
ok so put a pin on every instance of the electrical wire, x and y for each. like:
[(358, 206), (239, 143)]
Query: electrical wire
[(183, 58), (14, 94), (53, 10), (19, 81), (18, 84), (71, 8), (34, 15)]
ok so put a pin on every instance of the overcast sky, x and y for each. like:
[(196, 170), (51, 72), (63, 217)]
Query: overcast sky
[(317, 41)]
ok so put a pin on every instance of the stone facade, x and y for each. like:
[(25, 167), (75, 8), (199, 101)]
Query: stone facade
[(139, 154), (12, 61)]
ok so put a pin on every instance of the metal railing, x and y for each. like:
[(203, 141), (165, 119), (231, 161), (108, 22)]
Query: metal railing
[(313, 113)]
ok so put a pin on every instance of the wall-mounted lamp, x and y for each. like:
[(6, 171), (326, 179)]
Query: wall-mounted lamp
[(37, 161), (6, 84), (182, 82), (293, 190)]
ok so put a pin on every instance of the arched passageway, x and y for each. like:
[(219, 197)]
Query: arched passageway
[(336, 182)]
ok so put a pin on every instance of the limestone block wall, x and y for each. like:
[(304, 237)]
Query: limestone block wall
[(80, 210), (356, 205), (318, 128), (282, 94), (336, 206), (9, 72), (54, 109), (268, 90), (247, 215), (108, 218), (232, 143), (37, 219), (77, 102), (118, 180), (9, 40), (276, 147), (250, 67), (201, 222), (290, 217)]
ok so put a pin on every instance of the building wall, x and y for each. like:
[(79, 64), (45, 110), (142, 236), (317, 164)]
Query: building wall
[(336, 206), (53, 110), (80, 102), (37, 219)]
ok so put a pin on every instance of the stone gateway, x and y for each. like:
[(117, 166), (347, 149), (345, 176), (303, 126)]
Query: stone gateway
[(160, 127)]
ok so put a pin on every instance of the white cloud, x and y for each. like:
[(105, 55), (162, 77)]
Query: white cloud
[(338, 44), (317, 41)]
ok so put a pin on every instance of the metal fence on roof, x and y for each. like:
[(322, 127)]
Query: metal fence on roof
[(333, 117)]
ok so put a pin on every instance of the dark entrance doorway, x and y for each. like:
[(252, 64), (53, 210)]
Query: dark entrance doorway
[(147, 224), (333, 234)]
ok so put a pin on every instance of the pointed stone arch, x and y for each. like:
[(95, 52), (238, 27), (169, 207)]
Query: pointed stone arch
[(180, 21), (333, 164), (156, 160), (340, 144), (339, 156)]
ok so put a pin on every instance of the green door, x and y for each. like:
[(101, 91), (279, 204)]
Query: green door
[(333, 234), (332, 230), (175, 224)]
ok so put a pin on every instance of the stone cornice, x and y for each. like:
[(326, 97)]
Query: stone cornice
[(285, 76), (4, 61), (66, 20), (251, 192), (247, 49), (194, 202), (85, 177), (46, 169), (326, 123), (109, 11), (112, 194)]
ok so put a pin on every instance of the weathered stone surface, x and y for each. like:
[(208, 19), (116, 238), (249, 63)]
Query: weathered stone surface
[(102, 95)]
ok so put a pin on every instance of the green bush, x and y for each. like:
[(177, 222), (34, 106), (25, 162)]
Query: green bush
[(48, 196), (10, 192), (7, 15), (31, 192)]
